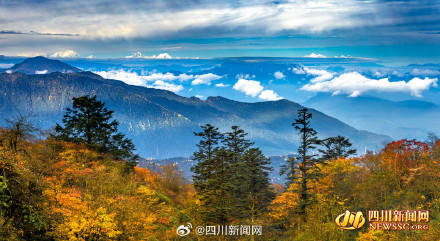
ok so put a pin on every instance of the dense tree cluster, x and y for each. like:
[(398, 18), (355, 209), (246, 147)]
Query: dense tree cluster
[(74, 186), (231, 180)]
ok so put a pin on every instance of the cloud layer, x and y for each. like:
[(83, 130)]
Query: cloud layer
[(129, 19), (355, 84), (164, 81)]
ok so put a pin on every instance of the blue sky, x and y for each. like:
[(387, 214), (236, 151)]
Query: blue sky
[(392, 32)]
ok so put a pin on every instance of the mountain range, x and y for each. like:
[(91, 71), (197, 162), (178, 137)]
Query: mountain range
[(161, 123), (398, 119)]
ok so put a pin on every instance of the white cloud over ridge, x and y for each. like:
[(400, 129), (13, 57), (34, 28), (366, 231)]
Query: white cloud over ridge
[(269, 95), (254, 88), (164, 81), (151, 80), (249, 87), (355, 84)]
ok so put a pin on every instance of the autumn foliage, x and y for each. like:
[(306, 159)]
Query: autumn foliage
[(56, 190)]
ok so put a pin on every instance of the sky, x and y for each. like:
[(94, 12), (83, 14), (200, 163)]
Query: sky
[(391, 32)]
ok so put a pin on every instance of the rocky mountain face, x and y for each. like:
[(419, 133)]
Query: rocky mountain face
[(160, 122)]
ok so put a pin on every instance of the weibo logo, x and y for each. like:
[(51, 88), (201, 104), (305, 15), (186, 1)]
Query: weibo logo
[(350, 220)]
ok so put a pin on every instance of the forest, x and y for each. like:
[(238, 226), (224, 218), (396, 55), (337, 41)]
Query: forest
[(81, 182)]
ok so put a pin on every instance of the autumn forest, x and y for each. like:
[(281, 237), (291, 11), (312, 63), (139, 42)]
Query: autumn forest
[(80, 181)]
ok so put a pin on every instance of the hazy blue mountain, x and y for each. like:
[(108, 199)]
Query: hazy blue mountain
[(399, 119), (42, 65), (162, 123), (185, 164)]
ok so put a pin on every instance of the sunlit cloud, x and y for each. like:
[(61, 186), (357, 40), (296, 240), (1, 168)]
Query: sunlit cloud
[(65, 54), (254, 88), (269, 95), (355, 84)]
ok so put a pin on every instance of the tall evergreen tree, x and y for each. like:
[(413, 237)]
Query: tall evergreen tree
[(89, 122), (258, 193), (335, 147), (207, 178), (303, 172), (219, 204), (236, 142)]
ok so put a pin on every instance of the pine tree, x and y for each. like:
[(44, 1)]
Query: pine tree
[(90, 123), (236, 142), (256, 183), (211, 177), (219, 189), (306, 170), (335, 147)]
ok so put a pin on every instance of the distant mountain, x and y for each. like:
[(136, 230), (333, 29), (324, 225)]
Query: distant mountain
[(42, 65), (185, 164), (162, 123), (399, 119)]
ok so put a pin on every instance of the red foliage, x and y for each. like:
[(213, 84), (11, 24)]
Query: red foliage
[(404, 154)]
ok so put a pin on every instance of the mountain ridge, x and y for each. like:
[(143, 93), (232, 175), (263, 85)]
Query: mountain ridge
[(161, 123)]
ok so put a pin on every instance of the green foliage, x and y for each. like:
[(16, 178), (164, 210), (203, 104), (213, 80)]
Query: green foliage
[(89, 122), (335, 147), (305, 171), (256, 185), (231, 180)]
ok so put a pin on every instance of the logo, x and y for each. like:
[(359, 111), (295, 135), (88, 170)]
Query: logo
[(350, 220), (183, 230)]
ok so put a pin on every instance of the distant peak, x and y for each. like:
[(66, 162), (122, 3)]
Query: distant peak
[(42, 65)]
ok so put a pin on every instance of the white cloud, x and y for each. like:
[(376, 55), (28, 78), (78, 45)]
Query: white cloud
[(157, 80), (428, 72), (160, 84), (91, 57), (279, 75), (321, 75), (8, 71), (41, 71), (354, 84), (253, 88), (249, 87), (297, 70), (32, 54), (313, 55), (136, 54), (139, 55), (160, 56), (199, 96), (5, 66), (65, 54), (269, 95), (221, 85), (205, 79), (152, 80), (156, 19), (245, 76)]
